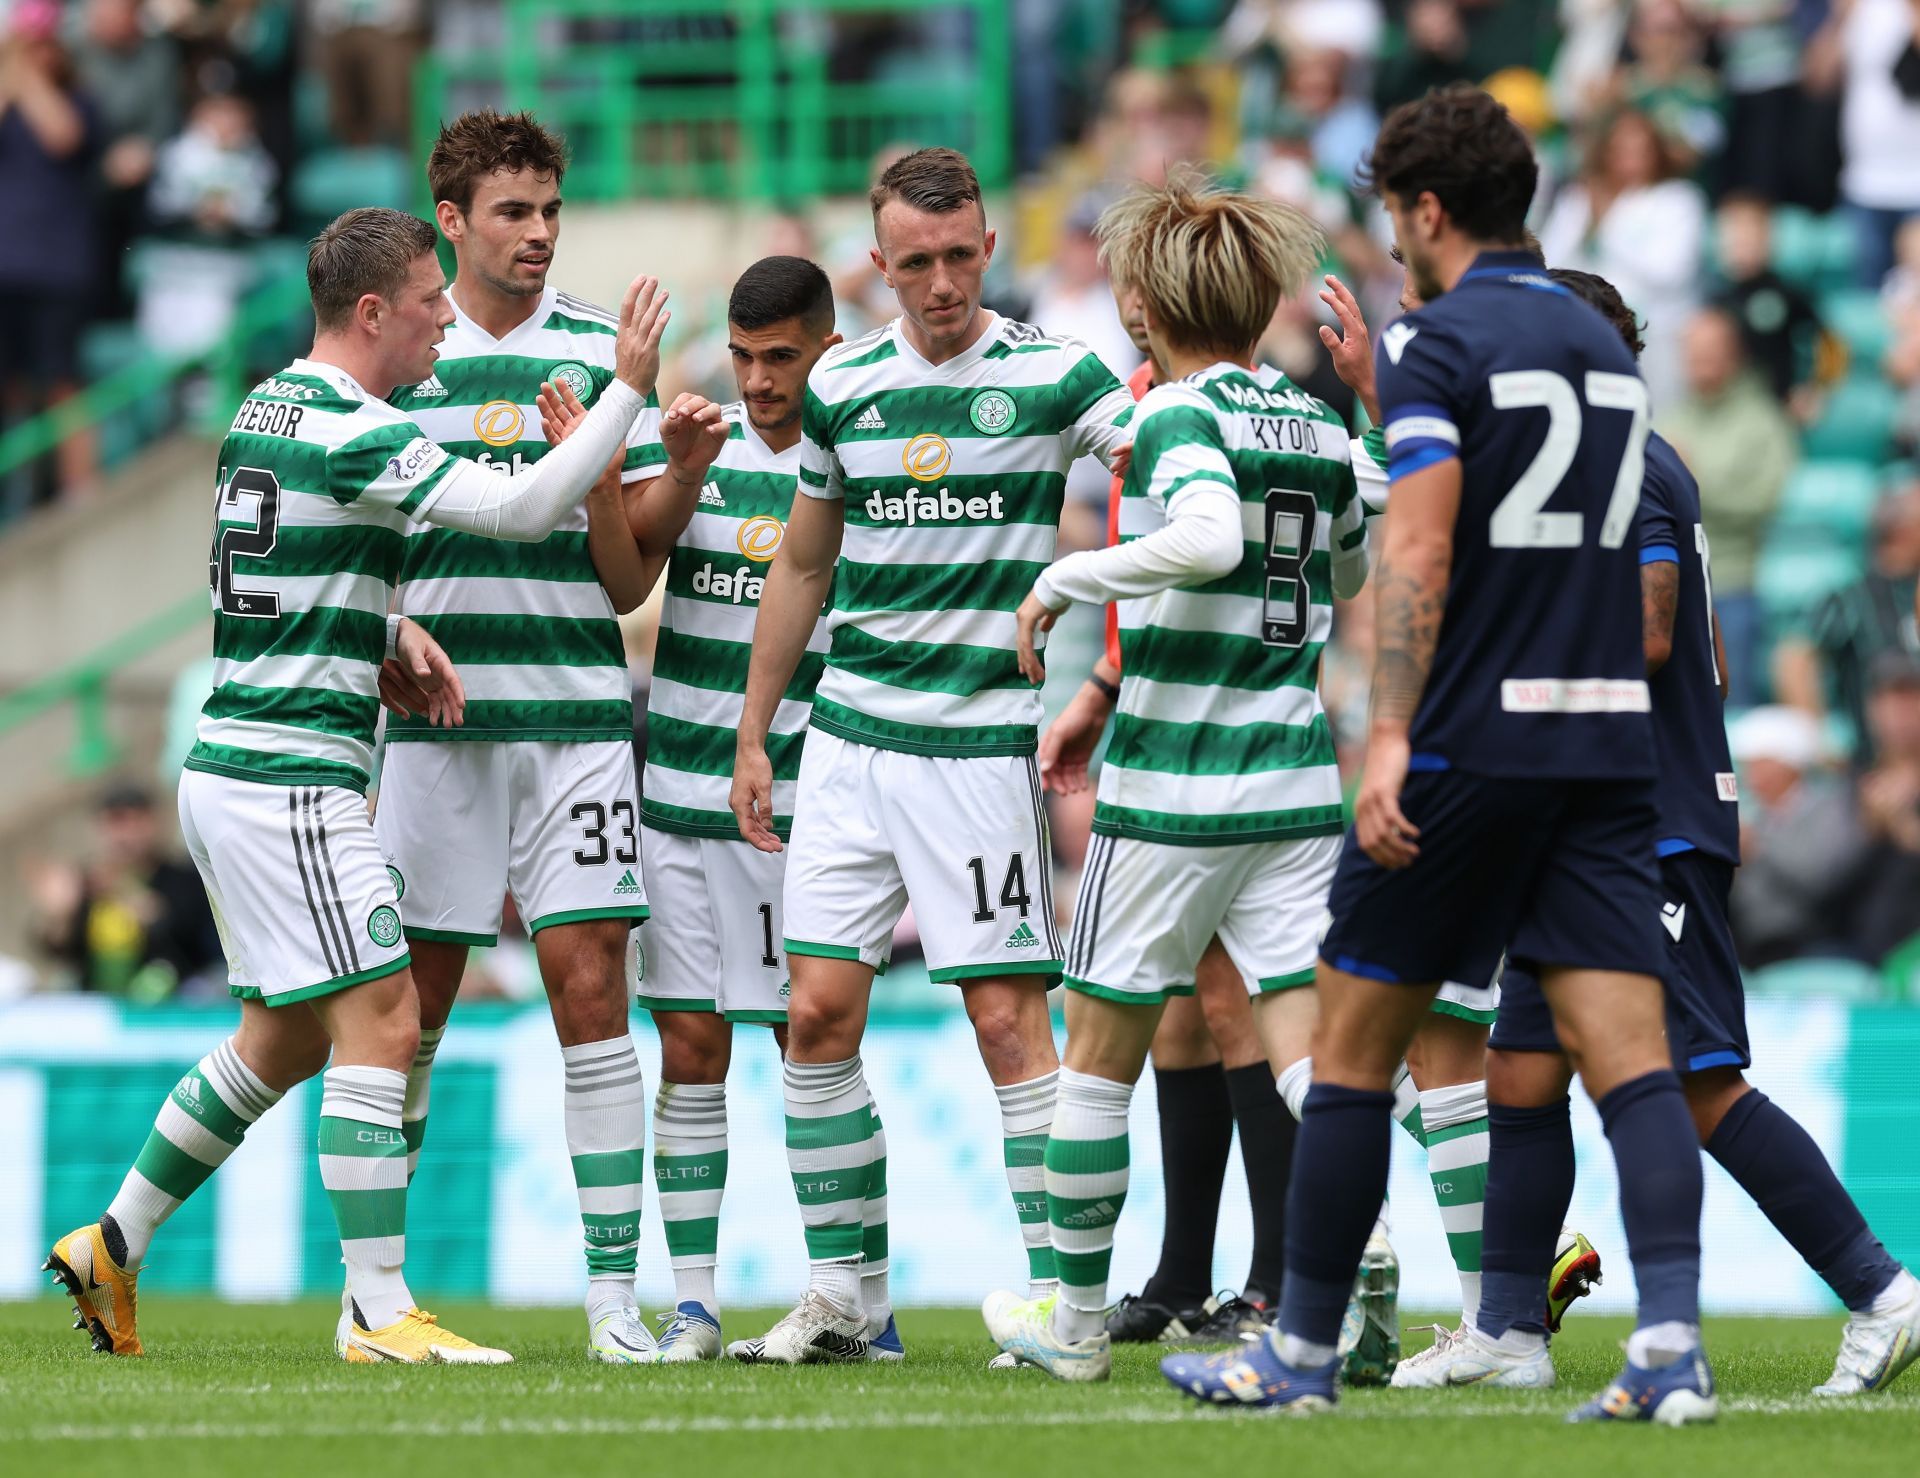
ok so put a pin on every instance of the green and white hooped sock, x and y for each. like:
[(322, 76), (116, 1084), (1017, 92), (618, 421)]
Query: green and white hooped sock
[(1293, 1083), (1406, 1105), (874, 1265), (1026, 1118), (606, 1117), (832, 1142), (363, 1165), (201, 1123), (413, 1117), (1457, 1148), (1087, 1166), (690, 1173)]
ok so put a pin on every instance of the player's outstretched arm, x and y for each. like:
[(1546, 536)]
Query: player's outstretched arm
[(1411, 596), (798, 583), (625, 573), (693, 431)]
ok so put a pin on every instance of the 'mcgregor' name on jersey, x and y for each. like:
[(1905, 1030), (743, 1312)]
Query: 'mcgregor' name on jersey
[(952, 477), (317, 479), (714, 580), (1220, 736), (527, 624)]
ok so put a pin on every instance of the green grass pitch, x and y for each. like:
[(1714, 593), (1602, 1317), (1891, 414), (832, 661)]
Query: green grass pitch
[(256, 1391)]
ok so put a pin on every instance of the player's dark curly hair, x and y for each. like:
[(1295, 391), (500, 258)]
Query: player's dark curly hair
[(1461, 145), (476, 144), (1604, 298)]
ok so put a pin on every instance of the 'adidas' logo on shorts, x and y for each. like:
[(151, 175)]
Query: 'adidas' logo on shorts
[(1022, 938), (870, 420), (628, 883)]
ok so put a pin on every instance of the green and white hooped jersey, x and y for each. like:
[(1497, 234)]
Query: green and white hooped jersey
[(952, 476), (1370, 471), (1219, 735), (527, 624), (706, 636), (317, 479)]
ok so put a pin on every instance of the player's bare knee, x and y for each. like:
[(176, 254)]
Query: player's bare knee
[(820, 1029), (1711, 1094), (1011, 1025), (1527, 1079), (695, 1046)]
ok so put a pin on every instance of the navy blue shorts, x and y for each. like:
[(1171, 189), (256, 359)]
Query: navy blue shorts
[(1706, 1005), (1557, 872)]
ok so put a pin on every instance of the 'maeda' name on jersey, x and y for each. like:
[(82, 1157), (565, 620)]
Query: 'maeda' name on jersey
[(738, 586), (1257, 398), (941, 507)]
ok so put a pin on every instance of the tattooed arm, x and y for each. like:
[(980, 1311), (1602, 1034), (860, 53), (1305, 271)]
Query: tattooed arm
[(1411, 596), (1659, 596)]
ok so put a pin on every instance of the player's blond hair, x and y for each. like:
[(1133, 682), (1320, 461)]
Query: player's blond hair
[(1212, 264)]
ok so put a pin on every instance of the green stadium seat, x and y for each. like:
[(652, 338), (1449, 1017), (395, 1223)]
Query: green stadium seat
[(1830, 501), (1799, 251), (1857, 423), (337, 180), (1815, 979), (1793, 577), (1859, 318)]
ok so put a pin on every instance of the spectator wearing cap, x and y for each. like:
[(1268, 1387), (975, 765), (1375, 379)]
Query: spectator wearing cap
[(1825, 667), (1740, 445), (49, 255), (1886, 903), (1800, 840), (130, 921)]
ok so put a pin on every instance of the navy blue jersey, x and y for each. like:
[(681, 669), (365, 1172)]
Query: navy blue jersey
[(1539, 669), (1695, 786)]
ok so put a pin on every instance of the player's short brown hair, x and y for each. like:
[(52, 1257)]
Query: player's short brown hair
[(369, 250), (1212, 264), (937, 180), (476, 144)]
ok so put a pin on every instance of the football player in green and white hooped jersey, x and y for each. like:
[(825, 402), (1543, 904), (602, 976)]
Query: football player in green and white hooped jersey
[(932, 467), (1219, 805), (535, 794), (318, 477), (713, 946)]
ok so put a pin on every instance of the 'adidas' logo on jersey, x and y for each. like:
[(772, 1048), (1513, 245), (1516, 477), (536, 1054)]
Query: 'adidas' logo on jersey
[(710, 496), (429, 389), (1022, 938), (870, 420), (627, 885)]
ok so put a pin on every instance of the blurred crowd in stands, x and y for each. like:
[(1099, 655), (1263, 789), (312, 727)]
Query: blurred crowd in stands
[(1747, 172)]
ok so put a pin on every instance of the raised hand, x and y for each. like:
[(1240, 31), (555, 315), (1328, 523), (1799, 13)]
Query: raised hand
[(643, 318), (1352, 346), (693, 430), (560, 416)]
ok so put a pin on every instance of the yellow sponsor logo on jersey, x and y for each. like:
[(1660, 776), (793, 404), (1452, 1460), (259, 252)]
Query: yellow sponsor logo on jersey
[(499, 422), (760, 537), (927, 458)]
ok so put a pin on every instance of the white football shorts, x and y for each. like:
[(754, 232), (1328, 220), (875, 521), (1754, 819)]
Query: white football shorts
[(713, 942), (303, 897), (465, 823), (1146, 911), (964, 838)]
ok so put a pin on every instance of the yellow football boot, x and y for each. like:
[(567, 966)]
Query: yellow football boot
[(415, 1338), (1576, 1271), (103, 1292)]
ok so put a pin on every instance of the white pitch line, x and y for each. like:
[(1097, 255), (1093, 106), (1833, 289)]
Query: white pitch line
[(1156, 1415)]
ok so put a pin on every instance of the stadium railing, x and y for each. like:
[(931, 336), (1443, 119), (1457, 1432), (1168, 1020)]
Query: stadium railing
[(85, 685), (733, 99)]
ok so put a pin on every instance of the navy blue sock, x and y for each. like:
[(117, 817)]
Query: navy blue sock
[(1339, 1175), (1529, 1187), (1657, 1157), (1777, 1163)]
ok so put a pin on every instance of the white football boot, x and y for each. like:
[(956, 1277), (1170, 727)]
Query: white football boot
[(1464, 1357), (1023, 1328), (619, 1336), (817, 1330), (1874, 1348)]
